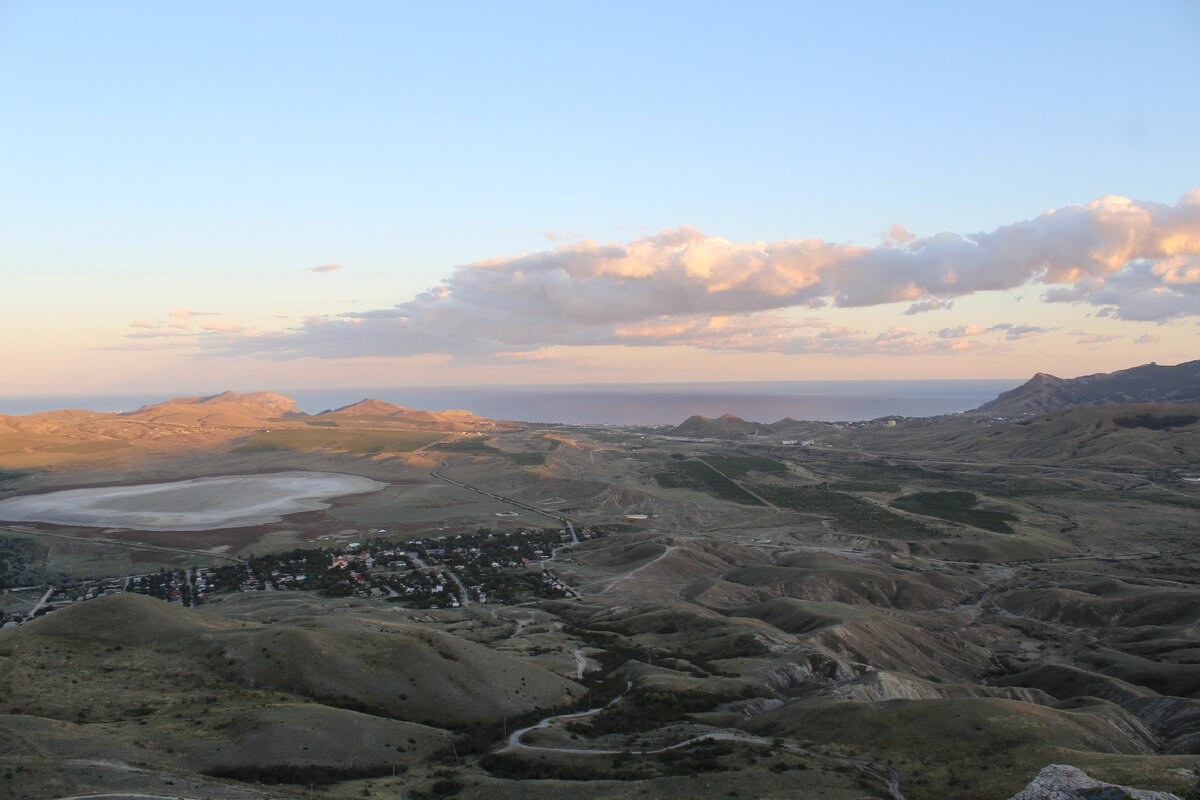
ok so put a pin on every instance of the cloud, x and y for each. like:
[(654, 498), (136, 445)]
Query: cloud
[(143, 324), (1015, 332), (181, 314), (1136, 260), (160, 333), (1148, 338), (962, 331), (898, 236), (1098, 338), (931, 304), (549, 360), (326, 268)]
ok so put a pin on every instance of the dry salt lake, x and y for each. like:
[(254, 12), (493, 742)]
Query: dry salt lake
[(199, 504)]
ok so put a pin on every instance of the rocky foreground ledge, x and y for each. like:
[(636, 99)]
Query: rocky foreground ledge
[(1060, 782)]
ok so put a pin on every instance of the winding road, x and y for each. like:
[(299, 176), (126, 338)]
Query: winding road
[(890, 776)]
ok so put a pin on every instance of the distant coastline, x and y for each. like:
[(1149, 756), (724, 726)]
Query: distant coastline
[(615, 403)]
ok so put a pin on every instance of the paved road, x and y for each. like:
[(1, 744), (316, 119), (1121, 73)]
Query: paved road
[(890, 776), (37, 606), (559, 518), (554, 516), (416, 559), (466, 601)]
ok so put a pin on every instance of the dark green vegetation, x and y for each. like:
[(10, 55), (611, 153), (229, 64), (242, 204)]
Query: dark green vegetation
[(351, 441), (1153, 422), (704, 757), (863, 486), (849, 513), (645, 710), (21, 564), (698, 476), (957, 507), (299, 774), (737, 466)]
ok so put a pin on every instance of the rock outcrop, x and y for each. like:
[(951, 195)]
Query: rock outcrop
[(1060, 782)]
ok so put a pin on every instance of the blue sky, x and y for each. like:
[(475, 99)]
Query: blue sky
[(163, 157)]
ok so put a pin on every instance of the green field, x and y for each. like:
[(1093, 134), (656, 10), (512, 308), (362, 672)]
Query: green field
[(700, 477), (850, 513), (737, 466), (956, 507), (353, 441)]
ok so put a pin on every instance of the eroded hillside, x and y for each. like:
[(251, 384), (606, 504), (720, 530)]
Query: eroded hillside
[(933, 609)]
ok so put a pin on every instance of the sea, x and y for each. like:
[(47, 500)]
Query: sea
[(621, 403)]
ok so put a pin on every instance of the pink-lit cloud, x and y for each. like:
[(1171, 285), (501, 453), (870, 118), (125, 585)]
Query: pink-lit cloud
[(961, 331), (930, 304), (898, 236), (1135, 260), (1098, 338), (1148, 338), (326, 268)]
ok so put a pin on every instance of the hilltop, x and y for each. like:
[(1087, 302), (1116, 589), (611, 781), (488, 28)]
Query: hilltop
[(257, 420), (1132, 434), (373, 408), (1149, 383), (224, 408), (731, 425)]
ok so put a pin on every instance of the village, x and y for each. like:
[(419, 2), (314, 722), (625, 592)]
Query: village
[(451, 571)]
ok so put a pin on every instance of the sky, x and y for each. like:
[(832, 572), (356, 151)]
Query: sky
[(269, 195)]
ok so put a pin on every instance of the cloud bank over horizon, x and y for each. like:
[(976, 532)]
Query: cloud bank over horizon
[(1131, 260)]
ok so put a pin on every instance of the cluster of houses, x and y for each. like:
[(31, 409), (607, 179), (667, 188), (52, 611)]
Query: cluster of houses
[(434, 572)]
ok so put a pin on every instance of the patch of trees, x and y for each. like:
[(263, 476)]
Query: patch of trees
[(616, 649), (737, 466), (317, 774), (1155, 423), (850, 513), (702, 757), (514, 767), (956, 507), (700, 477), (647, 709), (18, 563)]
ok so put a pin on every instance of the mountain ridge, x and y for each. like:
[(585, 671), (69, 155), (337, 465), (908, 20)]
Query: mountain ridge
[(1148, 383)]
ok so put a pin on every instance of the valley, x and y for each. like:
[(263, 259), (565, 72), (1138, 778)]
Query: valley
[(907, 609)]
